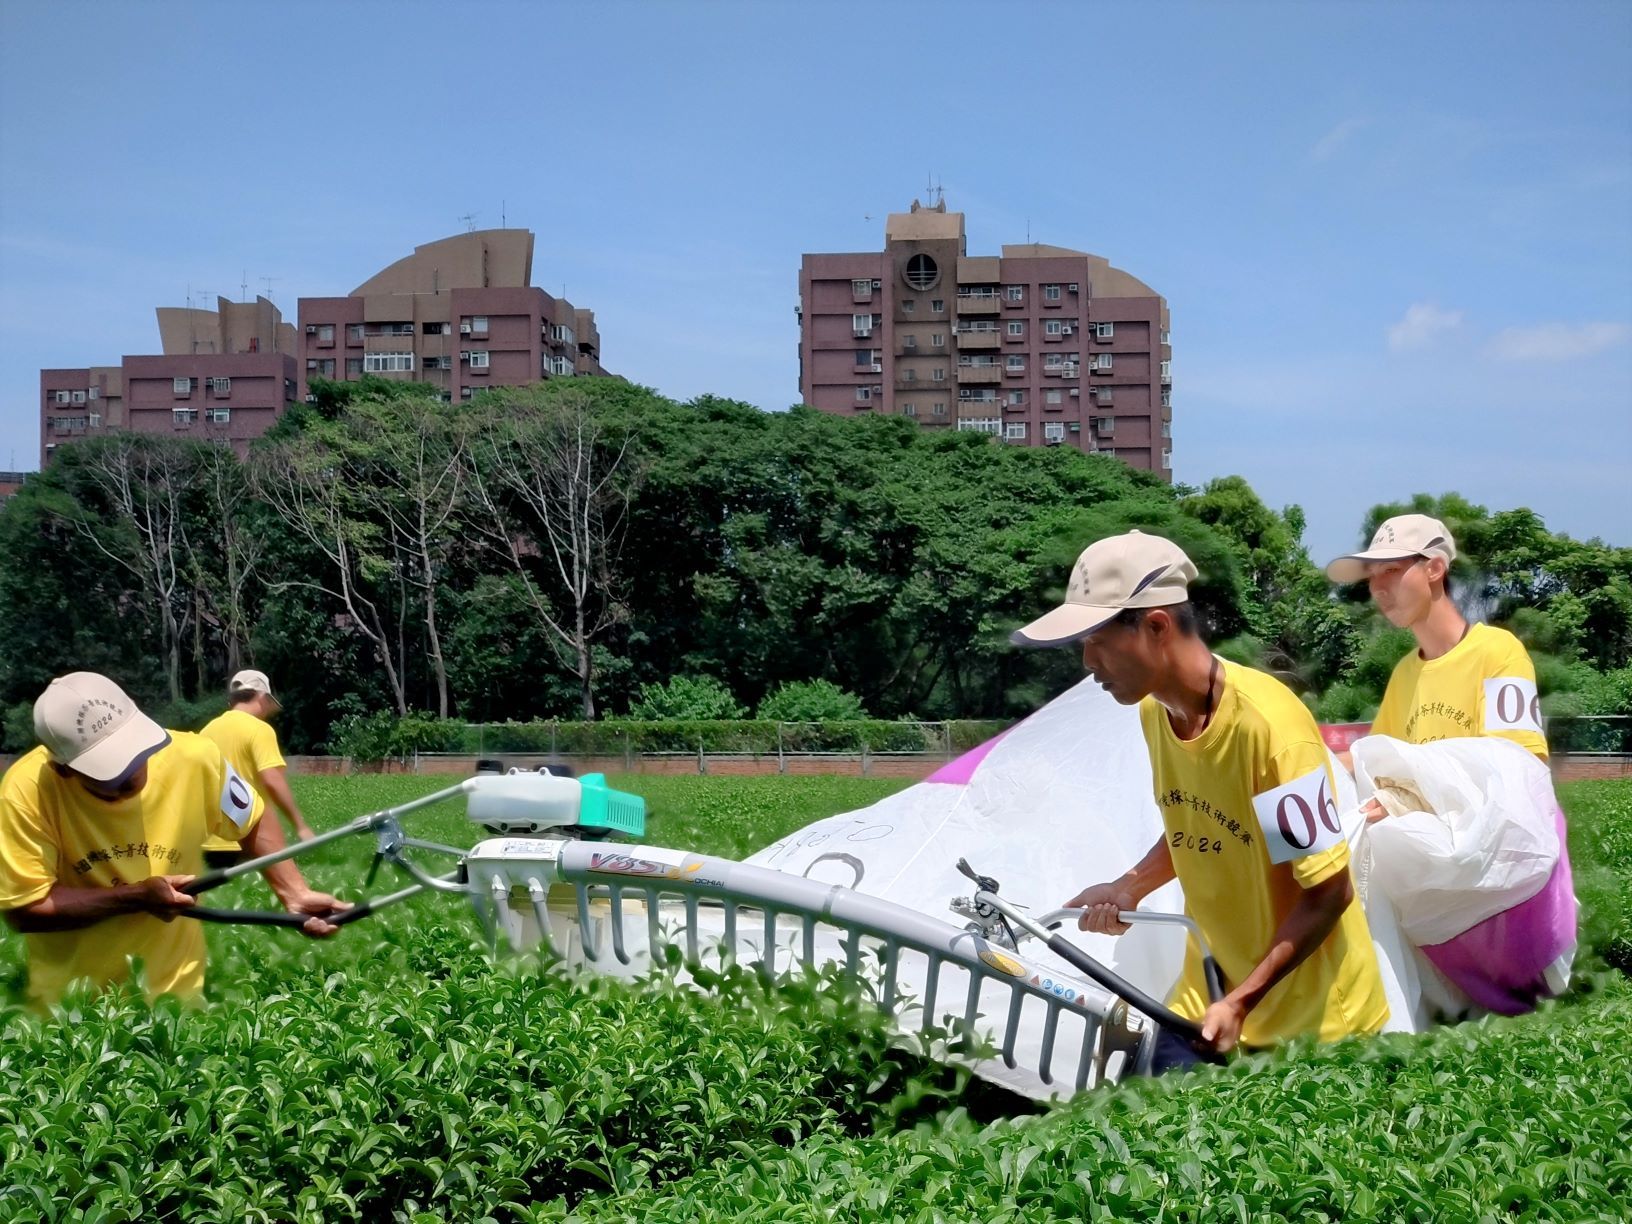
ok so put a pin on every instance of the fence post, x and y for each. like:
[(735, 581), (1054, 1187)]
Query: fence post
[(781, 753), (702, 763), (628, 751)]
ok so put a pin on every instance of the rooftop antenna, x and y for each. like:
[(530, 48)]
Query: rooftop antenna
[(933, 193), (470, 222), (243, 286), (267, 281), (503, 216)]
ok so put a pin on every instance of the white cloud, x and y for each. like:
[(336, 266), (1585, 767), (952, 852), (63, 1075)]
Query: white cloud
[(1557, 341), (1423, 323), (1335, 139)]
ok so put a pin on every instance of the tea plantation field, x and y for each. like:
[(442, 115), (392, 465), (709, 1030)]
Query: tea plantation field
[(394, 1073)]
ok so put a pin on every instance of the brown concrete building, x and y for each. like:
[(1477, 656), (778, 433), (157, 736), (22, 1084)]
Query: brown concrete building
[(224, 375), (1040, 346), (459, 314)]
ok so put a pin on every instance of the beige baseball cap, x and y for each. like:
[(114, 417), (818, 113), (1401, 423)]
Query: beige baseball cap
[(254, 681), (1404, 535), (1126, 571), (88, 723)]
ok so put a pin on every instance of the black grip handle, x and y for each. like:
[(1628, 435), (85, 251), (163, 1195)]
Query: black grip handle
[(205, 882), (1215, 978), (1120, 986), (246, 917)]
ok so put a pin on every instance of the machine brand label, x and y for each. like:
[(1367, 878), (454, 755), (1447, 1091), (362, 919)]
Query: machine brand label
[(628, 864), (1003, 964)]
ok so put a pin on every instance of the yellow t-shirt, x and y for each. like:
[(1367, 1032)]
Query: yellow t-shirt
[(250, 745), (1484, 685), (1250, 821), (53, 831)]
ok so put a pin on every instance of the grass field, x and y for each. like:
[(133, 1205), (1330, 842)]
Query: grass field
[(394, 1073)]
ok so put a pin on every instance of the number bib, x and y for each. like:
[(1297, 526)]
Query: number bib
[(237, 800), (1299, 817), (1511, 704)]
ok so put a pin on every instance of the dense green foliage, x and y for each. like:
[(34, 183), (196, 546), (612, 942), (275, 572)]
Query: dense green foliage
[(393, 1071), (382, 552)]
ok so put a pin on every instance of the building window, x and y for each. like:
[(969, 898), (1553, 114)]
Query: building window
[(1053, 396), (866, 359), (938, 408), (1167, 458), (479, 359), (1015, 431), (93, 393), (433, 329), (1016, 328), (1104, 331), (325, 333), (181, 418), (1016, 361), (1167, 336), (1167, 429), (1102, 395), (909, 343), (1017, 398), (62, 397), (221, 386), (78, 397), (938, 339), (182, 386), (862, 288), (1167, 397), (921, 272), (909, 410), (1051, 293), (1053, 327), (1015, 293), (861, 324), (937, 305), (940, 374), (354, 333), (476, 325), (985, 425), (321, 366), (561, 365), (218, 416), (465, 393), (1054, 431), (1105, 425), (1102, 361), (908, 306), (354, 365), (864, 395), (1167, 369), (387, 363)]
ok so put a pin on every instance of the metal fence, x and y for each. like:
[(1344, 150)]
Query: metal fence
[(1590, 735)]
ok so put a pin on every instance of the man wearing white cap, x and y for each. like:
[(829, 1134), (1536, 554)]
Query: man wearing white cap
[(1247, 801), (1461, 680), (246, 738), (100, 828)]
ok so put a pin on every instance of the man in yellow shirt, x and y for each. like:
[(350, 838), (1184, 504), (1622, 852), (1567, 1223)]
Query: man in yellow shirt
[(1248, 807), (102, 825), (246, 738), (1462, 680)]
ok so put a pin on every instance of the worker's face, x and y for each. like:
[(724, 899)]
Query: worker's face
[(1127, 660), (120, 788), (1404, 589)]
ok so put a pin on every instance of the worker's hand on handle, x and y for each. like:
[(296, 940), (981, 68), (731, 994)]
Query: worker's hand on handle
[(162, 897), (1221, 1025), (318, 904), (1100, 905)]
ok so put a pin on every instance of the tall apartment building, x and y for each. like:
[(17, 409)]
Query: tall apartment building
[(223, 375), (460, 314), (1041, 345)]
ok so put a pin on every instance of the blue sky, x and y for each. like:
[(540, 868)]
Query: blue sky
[(1396, 238)]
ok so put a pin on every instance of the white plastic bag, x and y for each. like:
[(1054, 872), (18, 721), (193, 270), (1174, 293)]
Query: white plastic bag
[(1490, 842)]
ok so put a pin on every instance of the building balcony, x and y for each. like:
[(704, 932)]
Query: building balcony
[(968, 341), (969, 376), (979, 305)]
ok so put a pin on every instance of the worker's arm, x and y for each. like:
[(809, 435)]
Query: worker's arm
[(275, 782), (1304, 929), (287, 882), (65, 908), (1102, 902)]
